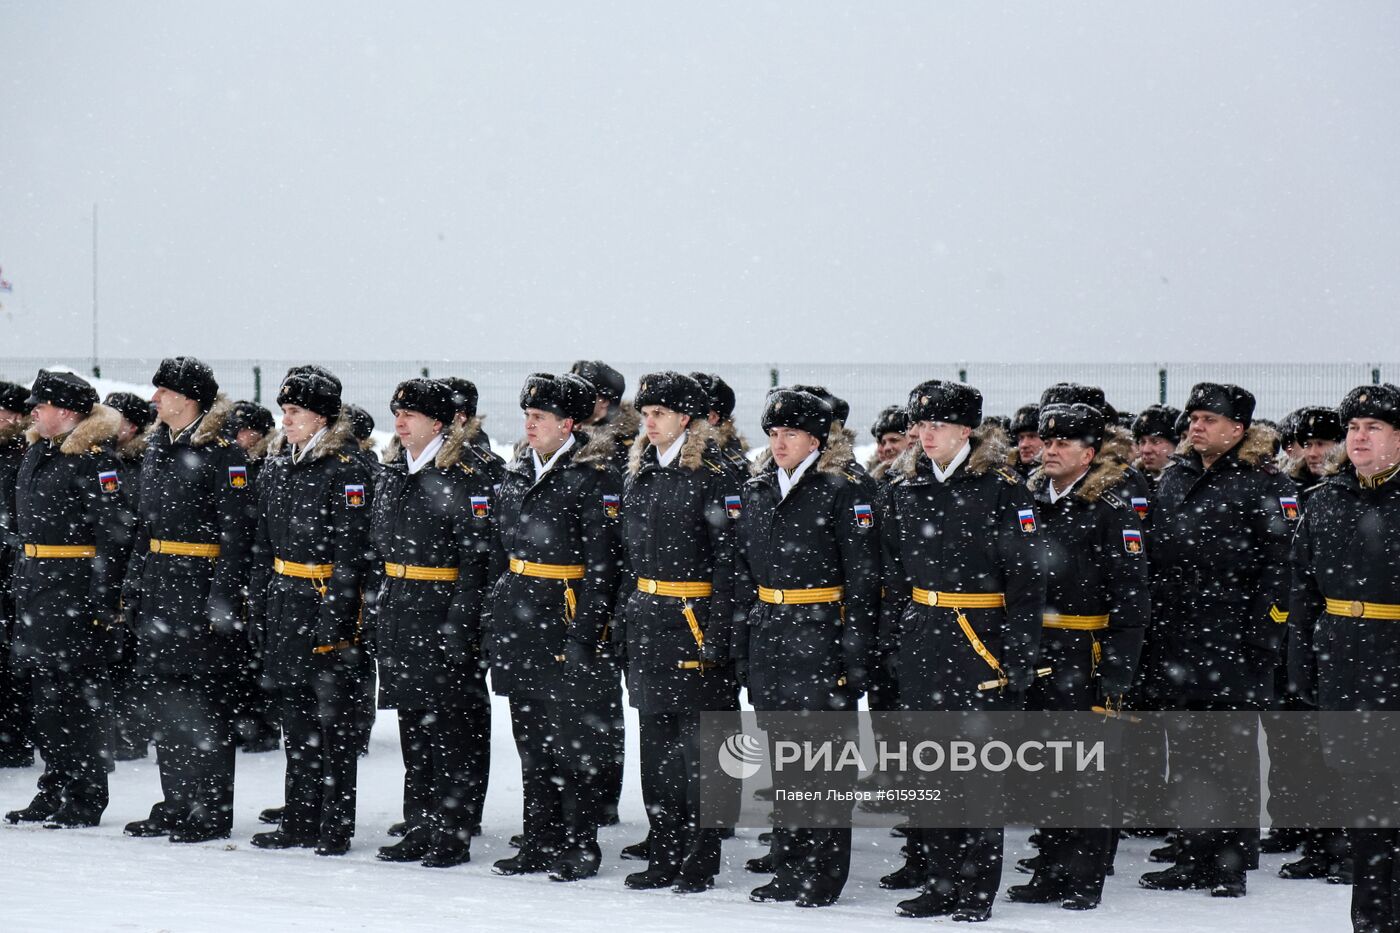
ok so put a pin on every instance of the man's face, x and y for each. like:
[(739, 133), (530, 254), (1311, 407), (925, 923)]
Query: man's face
[(790, 446), (1293, 450), (415, 430), (1065, 460), (51, 421), (1212, 434), (1315, 453), (545, 431), (890, 445), (663, 425), (174, 409), (1373, 446), (126, 432), (247, 439), (300, 424), (600, 410), (1154, 451), (941, 440), (1028, 446), (8, 418)]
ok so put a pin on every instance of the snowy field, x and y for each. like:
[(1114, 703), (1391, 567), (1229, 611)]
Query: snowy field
[(97, 879)]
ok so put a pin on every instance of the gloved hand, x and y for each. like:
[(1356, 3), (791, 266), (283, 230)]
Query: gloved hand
[(223, 619), (1018, 677), (578, 654)]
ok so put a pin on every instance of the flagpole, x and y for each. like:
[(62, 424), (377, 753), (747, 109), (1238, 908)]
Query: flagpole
[(96, 369)]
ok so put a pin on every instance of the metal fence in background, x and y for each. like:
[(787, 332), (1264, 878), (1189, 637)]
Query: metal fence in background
[(869, 387)]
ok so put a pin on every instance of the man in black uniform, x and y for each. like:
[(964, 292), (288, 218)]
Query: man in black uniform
[(257, 724), (1155, 436), (556, 522), (721, 417), (16, 749), (1219, 578), (1096, 607), (465, 396), (809, 553), (1024, 437), (1313, 434), (679, 508), (431, 534), (959, 605), (249, 425), (612, 417), (310, 555), (362, 429), (1345, 601), (73, 530), (184, 596), (131, 735), (891, 433)]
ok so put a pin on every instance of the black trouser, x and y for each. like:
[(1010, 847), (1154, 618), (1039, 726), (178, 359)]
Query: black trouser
[(366, 705), (961, 864), (614, 739), (1218, 763), (1373, 894), (255, 707), (1080, 857), (671, 769), (447, 761), (128, 709), (320, 737), (817, 861), (192, 725), (561, 748), (16, 746), (72, 729)]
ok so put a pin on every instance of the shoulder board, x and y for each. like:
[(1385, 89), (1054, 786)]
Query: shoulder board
[(714, 467), (601, 467), (1113, 500), (466, 469), (1008, 475), (343, 458), (95, 449), (222, 441), (851, 475)]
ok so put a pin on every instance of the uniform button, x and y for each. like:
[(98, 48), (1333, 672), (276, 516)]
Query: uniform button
[(778, 596), (1358, 609)]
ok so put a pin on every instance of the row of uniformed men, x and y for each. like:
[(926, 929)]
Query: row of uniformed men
[(556, 570)]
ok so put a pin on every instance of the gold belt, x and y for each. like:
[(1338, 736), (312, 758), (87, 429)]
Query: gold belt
[(1356, 609), (682, 590), (959, 600), (60, 550), (820, 594), (565, 572), (410, 572), (546, 571), (1077, 623), (685, 591), (183, 548), (316, 573)]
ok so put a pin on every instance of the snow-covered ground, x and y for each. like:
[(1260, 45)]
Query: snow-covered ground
[(97, 879)]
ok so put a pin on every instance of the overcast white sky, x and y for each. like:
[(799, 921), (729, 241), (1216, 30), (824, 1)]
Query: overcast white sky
[(908, 181)]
